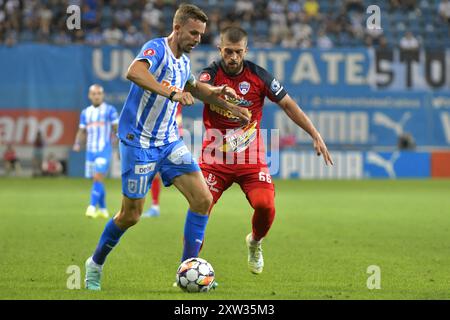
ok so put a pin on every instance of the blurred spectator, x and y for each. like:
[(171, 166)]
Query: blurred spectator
[(278, 21), (51, 166), (311, 8), (122, 17), (133, 38), (113, 35), (45, 19), (94, 37), (110, 21), (323, 41), (89, 16), (302, 32), (11, 161), (357, 24), (408, 42), (244, 6), (38, 152), (402, 5), (289, 41), (354, 5), (444, 10), (151, 18), (62, 38), (383, 43)]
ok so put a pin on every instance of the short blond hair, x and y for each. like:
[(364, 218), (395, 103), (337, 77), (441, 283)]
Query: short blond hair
[(189, 11)]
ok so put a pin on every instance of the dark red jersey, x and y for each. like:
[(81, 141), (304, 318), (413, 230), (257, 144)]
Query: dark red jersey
[(253, 84)]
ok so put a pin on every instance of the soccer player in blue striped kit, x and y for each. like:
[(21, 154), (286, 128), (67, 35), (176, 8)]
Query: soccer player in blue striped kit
[(98, 123), (149, 139)]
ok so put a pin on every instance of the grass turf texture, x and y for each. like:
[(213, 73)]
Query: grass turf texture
[(325, 235)]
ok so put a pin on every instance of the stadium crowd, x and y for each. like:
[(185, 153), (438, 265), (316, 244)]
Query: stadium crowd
[(288, 23)]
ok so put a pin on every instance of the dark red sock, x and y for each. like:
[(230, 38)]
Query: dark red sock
[(262, 200), (156, 188)]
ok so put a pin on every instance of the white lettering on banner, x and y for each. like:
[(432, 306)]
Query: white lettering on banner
[(119, 61), (306, 70), (332, 60), (334, 126), (25, 129), (307, 165), (354, 69), (279, 58), (445, 119)]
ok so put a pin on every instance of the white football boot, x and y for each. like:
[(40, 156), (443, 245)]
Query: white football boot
[(255, 256), (91, 212)]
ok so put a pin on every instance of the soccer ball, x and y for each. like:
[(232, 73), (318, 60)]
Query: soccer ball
[(195, 275)]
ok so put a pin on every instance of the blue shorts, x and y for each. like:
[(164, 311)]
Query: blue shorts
[(140, 165), (97, 162)]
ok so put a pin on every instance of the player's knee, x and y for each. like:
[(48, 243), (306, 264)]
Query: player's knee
[(262, 203), (202, 202), (128, 217)]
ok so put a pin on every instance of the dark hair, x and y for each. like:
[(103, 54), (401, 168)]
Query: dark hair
[(189, 11), (233, 34)]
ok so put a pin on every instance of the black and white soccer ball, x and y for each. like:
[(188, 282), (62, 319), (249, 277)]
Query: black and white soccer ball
[(195, 275)]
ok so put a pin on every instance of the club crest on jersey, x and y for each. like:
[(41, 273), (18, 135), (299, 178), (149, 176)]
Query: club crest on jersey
[(205, 77), (244, 87), (149, 52), (132, 185)]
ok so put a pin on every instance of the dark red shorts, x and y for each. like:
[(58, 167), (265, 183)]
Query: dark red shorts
[(219, 177)]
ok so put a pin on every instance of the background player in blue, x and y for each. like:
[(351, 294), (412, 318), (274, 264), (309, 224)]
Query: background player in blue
[(149, 139), (98, 123)]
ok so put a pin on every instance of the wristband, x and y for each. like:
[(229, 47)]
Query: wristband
[(172, 94)]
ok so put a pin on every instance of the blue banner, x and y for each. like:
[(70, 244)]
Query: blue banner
[(357, 98)]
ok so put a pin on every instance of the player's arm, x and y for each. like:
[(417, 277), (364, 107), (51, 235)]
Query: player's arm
[(80, 139), (114, 128), (293, 111), (139, 74), (210, 94)]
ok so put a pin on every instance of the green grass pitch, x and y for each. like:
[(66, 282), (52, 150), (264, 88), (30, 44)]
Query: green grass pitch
[(325, 235)]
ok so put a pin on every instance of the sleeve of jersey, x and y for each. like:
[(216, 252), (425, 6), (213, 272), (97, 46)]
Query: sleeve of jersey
[(274, 90), (82, 120), (153, 52), (114, 116)]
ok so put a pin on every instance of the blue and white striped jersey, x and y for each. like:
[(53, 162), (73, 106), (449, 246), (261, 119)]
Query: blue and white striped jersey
[(147, 119), (98, 121)]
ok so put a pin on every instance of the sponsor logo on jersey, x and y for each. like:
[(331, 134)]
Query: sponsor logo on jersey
[(244, 87), (177, 155), (144, 168), (275, 86), (171, 87), (205, 77), (149, 52), (227, 114), (211, 182), (237, 140)]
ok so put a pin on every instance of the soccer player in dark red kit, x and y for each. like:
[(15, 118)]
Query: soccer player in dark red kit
[(242, 144)]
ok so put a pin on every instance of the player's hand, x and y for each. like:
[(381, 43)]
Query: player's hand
[(242, 113), (185, 98), (321, 149), (76, 147), (225, 90)]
